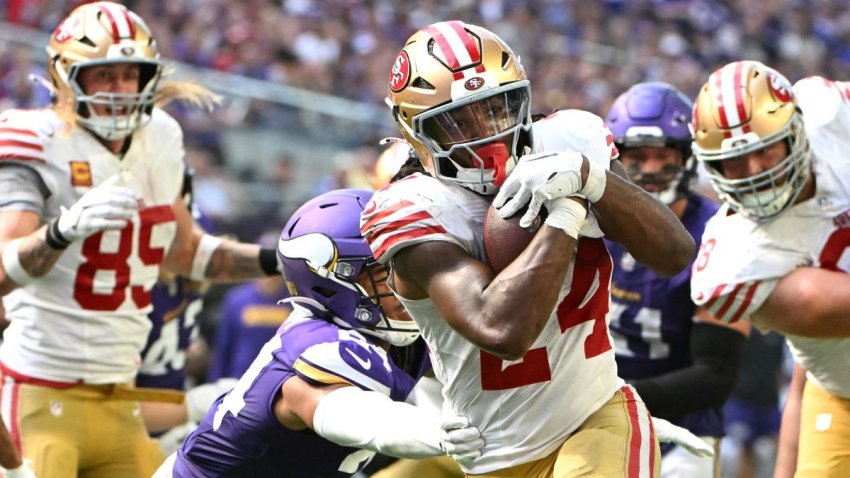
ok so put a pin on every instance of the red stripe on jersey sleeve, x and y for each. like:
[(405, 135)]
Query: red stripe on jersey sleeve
[(11, 143), (730, 300), (21, 158), (411, 234), (751, 291), (383, 214), (390, 227), (26, 132)]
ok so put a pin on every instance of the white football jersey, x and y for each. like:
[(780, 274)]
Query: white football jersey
[(525, 409), (86, 319), (740, 262)]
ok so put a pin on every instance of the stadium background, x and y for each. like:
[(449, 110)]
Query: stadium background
[(303, 81)]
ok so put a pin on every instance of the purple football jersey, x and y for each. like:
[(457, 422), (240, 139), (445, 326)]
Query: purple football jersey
[(240, 435), (175, 306), (651, 317)]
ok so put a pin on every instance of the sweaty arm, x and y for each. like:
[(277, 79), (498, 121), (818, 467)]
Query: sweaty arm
[(502, 314), (809, 302), (200, 256), (715, 355), (644, 226)]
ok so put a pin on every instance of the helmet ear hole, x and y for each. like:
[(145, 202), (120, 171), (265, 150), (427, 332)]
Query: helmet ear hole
[(324, 292)]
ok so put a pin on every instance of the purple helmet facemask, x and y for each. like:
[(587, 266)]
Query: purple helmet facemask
[(655, 114), (323, 253)]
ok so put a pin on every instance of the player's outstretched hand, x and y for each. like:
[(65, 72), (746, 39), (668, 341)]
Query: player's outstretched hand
[(23, 471), (107, 206), (461, 441), (669, 433)]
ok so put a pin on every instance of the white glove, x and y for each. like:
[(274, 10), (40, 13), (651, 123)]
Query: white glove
[(461, 442), (669, 433), (104, 207), (23, 471), (542, 177), (199, 399)]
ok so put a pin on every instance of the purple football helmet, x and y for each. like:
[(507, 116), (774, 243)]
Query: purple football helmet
[(655, 114), (323, 253)]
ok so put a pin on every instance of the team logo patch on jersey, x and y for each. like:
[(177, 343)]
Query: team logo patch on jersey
[(80, 173)]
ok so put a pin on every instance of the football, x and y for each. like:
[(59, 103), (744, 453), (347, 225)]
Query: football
[(504, 239)]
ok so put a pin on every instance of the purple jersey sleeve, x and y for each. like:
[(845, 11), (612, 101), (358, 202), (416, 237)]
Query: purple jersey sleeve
[(240, 435)]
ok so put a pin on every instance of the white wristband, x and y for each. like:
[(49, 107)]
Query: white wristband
[(595, 184), (202, 257), (12, 263), (567, 215)]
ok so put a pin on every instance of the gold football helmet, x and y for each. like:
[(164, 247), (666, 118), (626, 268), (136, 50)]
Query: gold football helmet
[(461, 99), (102, 33), (742, 108)]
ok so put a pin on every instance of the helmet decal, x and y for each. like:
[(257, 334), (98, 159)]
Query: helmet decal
[(400, 74), (779, 87), (733, 114), (118, 17), (70, 28), (456, 47)]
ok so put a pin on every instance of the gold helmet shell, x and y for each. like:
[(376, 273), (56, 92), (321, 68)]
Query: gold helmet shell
[(104, 33), (448, 65), (744, 107)]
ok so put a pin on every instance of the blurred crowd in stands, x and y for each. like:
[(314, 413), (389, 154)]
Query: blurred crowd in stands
[(579, 54)]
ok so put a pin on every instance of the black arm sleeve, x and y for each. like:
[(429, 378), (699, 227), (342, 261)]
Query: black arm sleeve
[(707, 383)]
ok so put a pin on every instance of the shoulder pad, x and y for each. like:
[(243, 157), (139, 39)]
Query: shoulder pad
[(409, 211), (24, 135), (729, 277), (576, 130), (352, 360), (822, 100)]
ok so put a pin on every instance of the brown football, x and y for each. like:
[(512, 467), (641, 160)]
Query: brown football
[(504, 240)]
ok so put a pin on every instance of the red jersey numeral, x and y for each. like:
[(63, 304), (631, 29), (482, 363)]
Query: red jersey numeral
[(116, 263), (592, 261)]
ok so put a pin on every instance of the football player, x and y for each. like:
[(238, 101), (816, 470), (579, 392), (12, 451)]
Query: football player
[(91, 210), (324, 394), (524, 354), (776, 252), (682, 362)]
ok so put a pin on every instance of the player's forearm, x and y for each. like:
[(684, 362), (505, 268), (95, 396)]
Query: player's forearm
[(9, 457), (234, 261), (706, 383), (789, 431), (222, 260), (646, 227), (519, 301), (27, 258)]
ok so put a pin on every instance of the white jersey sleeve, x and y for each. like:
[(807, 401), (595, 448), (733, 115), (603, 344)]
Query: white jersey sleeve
[(730, 278), (420, 209), (825, 103), (576, 130)]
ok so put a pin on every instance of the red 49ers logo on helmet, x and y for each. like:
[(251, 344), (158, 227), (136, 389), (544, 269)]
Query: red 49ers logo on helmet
[(779, 87), (400, 73), (68, 29)]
